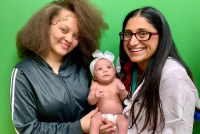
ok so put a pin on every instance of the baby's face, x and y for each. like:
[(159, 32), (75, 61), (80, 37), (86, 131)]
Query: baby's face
[(104, 71)]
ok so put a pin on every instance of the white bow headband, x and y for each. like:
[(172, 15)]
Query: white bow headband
[(99, 55)]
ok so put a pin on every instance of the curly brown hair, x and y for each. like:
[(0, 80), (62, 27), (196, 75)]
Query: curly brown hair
[(33, 38)]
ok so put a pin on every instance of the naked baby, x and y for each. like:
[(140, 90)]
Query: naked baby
[(106, 92)]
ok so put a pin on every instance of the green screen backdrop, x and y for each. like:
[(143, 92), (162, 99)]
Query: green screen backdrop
[(183, 17)]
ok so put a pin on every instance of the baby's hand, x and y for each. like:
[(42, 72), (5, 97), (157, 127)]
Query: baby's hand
[(99, 93), (121, 87)]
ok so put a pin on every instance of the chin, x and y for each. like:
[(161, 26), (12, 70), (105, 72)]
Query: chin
[(135, 60)]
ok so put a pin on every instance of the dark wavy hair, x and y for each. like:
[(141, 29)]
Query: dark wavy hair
[(33, 38), (149, 93)]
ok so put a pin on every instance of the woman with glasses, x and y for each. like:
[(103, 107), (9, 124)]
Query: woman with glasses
[(162, 95)]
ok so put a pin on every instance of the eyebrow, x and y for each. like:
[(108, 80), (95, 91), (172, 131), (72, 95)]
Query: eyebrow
[(140, 29), (63, 24)]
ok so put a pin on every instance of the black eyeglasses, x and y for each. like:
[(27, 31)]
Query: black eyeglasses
[(141, 36)]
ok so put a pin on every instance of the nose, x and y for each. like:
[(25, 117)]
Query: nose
[(105, 69), (133, 41), (68, 37)]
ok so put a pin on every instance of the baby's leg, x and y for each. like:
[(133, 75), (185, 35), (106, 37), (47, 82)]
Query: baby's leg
[(122, 124), (95, 123)]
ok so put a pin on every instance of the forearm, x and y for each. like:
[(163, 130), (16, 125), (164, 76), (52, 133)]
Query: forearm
[(92, 99), (123, 95), (35, 127)]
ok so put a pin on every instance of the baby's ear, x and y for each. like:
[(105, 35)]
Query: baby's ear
[(115, 71)]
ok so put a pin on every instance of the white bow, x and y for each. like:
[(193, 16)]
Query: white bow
[(98, 55), (108, 55)]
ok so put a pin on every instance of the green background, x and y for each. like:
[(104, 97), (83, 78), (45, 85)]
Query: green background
[(183, 17)]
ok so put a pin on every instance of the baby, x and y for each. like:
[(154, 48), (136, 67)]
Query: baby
[(106, 92)]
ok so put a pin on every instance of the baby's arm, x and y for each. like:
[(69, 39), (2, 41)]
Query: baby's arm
[(94, 94), (122, 90)]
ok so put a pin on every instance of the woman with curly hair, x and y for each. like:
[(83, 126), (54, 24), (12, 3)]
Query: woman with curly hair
[(49, 87)]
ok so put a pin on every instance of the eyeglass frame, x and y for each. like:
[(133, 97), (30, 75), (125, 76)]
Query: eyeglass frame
[(121, 35)]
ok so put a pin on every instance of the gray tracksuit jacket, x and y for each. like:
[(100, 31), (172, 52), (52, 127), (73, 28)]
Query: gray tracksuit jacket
[(43, 102)]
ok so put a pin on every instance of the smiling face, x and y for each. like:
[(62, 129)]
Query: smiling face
[(64, 33), (104, 71), (140, 51)]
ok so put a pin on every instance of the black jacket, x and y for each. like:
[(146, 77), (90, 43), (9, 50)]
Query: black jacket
[(43, 102)]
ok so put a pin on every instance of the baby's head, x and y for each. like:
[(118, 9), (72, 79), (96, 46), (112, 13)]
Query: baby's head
[(102, 65)]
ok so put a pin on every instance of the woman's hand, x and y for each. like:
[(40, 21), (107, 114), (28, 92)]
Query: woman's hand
[(107, 128), (85, 121)]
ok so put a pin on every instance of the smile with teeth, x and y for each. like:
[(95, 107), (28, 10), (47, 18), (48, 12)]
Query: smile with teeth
[(136, 49)]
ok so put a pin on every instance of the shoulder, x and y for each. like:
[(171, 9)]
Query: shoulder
[(172, 65), (30, 66), (25, 68), (24, 64), (81, 70), (94, 83), (117, 80), (175, 82), (174, 72)]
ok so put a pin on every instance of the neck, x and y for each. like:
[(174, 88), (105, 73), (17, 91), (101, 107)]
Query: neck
[(142, 68), (106, 82), (54, 61)]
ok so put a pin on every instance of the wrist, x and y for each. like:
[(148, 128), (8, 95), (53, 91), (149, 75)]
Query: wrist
[(83, 127)]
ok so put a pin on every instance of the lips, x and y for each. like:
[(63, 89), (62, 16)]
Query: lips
[(106, 76), (65, 46)]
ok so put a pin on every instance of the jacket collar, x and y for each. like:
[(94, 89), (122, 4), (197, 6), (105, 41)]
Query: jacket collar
[(67, 62)]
